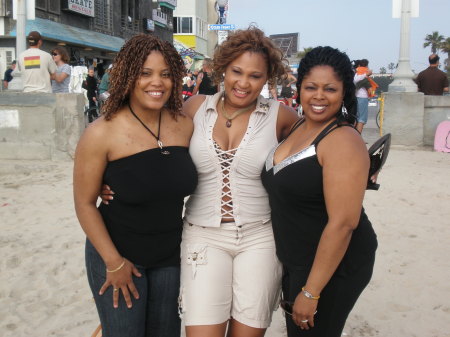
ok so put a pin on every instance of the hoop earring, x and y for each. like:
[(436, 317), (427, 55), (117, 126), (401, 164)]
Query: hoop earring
[(344, 111), (300, 110)]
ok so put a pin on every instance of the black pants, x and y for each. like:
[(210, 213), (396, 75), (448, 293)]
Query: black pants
[(336, 300), (92, 113)]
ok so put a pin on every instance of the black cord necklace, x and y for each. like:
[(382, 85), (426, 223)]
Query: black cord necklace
[(160, 144)]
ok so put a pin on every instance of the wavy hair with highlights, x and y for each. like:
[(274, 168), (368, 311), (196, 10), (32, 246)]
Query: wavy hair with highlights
[(342, 66), (128, 67), (249, 40)]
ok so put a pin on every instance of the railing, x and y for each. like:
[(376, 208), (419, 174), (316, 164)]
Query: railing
[(160, 17)]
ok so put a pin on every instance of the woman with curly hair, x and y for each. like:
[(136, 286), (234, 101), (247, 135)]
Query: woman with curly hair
[(230, 275), (316, 180), (140, 144)]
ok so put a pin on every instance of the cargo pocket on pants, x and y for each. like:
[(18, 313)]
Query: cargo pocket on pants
[(196, 255)]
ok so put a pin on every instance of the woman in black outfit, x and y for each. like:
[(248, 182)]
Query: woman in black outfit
[(141, 144), (90, 84), (316, 180)]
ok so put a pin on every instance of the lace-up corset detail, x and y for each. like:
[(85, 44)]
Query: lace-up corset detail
[(225, 160), (229, 186)]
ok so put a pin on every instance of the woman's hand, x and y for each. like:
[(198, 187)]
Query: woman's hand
[(303, 311), (106, 194), (122, 280), (374, 177)]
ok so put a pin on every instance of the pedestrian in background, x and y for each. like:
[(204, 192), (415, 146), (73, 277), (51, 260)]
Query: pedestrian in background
[(61, 79), (36, 66), (204, 84), (286, 89), (188, 86), (363, 84), (432, 81), (8, 77), (103, 88), (90, 84)]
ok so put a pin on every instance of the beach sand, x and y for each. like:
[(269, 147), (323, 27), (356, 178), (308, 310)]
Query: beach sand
[(44, 290)]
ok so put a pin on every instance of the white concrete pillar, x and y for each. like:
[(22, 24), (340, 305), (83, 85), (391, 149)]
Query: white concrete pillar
[(403, 76), (16, 83)]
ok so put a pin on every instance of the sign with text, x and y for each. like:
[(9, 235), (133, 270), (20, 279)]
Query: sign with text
[(149, 25), (221, 36), (221, 27), (85, 7)]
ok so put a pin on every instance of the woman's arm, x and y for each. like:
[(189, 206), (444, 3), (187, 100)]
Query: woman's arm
[(191, 106), (345, 163), (287, 116), (90, 164)]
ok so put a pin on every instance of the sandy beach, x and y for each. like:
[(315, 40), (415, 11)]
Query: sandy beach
[(44, 291)]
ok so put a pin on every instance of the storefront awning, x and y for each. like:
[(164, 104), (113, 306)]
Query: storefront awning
[(64, 33)]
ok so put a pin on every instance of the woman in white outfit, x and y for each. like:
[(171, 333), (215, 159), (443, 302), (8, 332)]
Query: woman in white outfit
[(230, 275)]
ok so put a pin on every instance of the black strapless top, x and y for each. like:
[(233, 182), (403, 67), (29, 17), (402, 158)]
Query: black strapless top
[(145, 218), (299, 214)]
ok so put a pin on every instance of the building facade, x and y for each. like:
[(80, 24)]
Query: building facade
[(190, 25), (92, 31)]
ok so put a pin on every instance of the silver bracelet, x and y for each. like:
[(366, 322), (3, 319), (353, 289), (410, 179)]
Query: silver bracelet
[(307, 294)]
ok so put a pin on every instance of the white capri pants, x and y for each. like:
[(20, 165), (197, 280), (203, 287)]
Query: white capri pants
[(230, 271)]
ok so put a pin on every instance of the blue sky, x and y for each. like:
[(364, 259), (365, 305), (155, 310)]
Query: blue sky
[(362, 28)]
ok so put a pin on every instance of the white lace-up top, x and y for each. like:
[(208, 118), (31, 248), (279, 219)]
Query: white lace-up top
[(234, 173)]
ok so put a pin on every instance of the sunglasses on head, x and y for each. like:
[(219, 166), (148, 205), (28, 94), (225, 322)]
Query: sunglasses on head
[(55, 54)]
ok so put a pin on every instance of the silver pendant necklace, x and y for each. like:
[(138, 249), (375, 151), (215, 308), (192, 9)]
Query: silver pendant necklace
[(160, 143)]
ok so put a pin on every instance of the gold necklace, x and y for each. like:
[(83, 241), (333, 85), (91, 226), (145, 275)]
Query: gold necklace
[(234, 114)]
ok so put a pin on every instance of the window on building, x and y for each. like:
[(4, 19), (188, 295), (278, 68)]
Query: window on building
[(182, 25), (54, 6), (201, 28), (41, 4), (103, 14)]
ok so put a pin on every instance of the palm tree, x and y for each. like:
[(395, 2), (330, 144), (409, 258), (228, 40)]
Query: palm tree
[(391, 66), (434, 40), (445, 48), (301, 54)]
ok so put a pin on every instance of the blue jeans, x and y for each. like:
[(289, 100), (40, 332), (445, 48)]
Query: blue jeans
[(363, 109), (154, 314)]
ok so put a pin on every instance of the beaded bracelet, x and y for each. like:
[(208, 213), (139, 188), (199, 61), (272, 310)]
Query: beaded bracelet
[(117, 269), (306, 293)]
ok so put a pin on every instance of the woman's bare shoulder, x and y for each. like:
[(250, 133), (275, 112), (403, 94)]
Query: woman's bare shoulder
[(191, 106)]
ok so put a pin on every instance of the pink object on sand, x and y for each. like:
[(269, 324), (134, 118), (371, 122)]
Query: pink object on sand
[(442, 137)]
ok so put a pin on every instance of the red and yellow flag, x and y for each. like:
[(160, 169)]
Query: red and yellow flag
[(32, 62)]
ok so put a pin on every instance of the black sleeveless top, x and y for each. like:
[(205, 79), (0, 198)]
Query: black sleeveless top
[(207, 86), (299, 214), (145, 218)]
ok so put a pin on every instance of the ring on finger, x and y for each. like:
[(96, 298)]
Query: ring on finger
[(304, 321), (116, 289)]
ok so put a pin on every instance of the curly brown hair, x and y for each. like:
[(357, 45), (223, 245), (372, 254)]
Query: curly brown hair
[(249, 40), (127, 70), (62, 52)]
